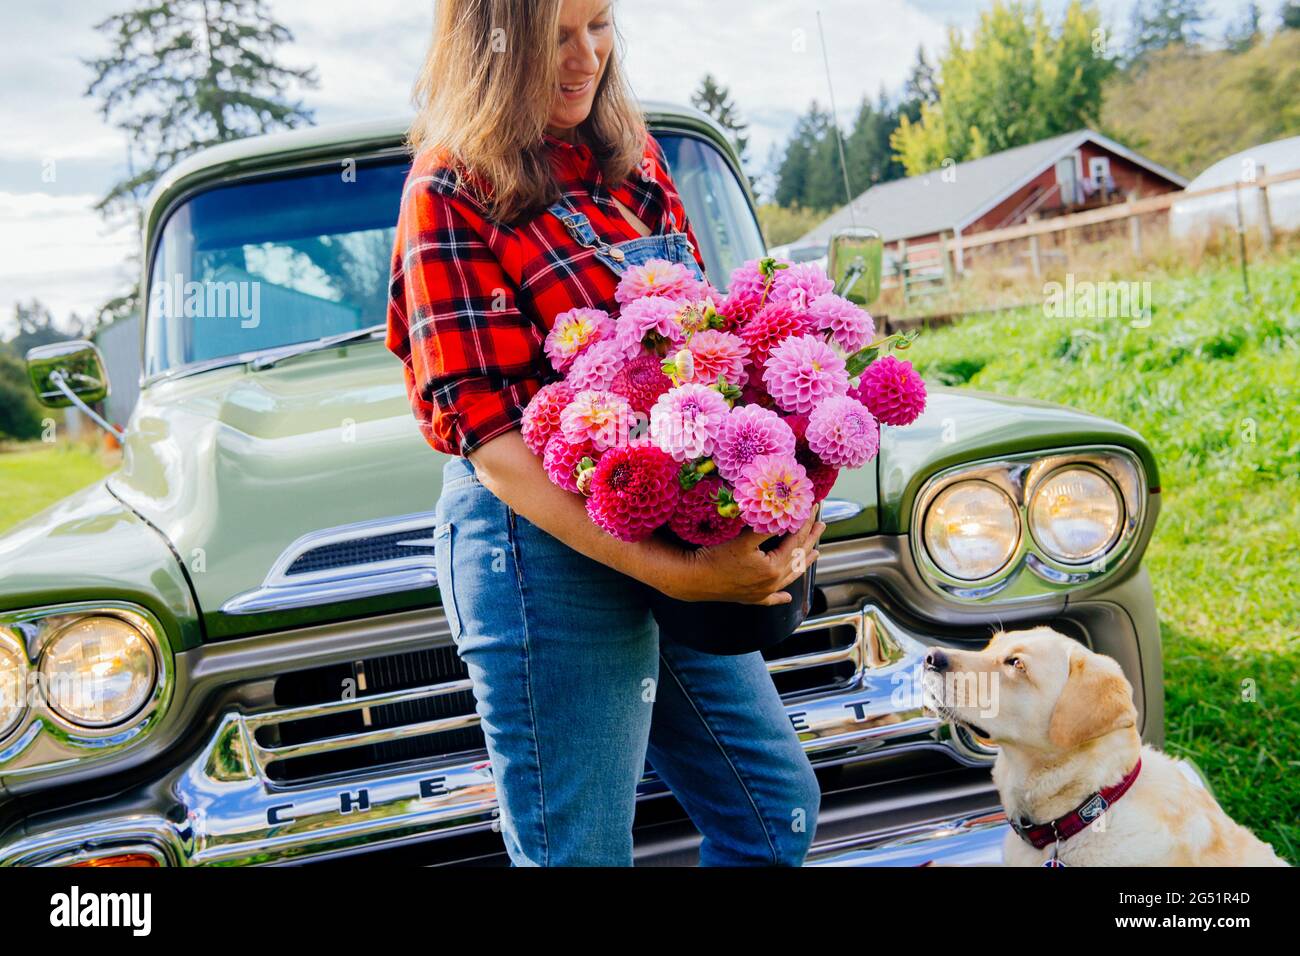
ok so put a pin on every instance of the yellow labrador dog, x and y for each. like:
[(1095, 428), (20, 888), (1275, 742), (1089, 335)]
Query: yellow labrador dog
[(1077, 783)]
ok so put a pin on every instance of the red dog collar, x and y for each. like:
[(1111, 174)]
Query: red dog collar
[(1040, 835)]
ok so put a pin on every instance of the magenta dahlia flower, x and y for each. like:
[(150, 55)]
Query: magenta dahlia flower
[(802, 372), (641, 381), (686, 421), (774, 494), (633, 491), (573, 331), (601, 418), (718, 354), (823, 478), (852, 328), (658, 277), (799, 284), (651, 316), (561, 460), (842, 433), (749, 432), (696, 520), (596, 366), (769, 327), (892, 390), (541, 419)]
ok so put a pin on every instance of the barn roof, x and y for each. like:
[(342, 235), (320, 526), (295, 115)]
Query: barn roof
[(953, 198)]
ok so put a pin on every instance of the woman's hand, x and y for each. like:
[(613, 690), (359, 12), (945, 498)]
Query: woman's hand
[(742, 572)]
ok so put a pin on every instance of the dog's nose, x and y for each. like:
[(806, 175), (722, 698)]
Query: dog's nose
[(936, 660)]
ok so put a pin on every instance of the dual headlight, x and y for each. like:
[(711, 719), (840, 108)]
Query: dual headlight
[(94, 672), (1068, 514)]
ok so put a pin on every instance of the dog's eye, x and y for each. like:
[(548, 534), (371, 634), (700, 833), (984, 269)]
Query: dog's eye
[(1016, 662)]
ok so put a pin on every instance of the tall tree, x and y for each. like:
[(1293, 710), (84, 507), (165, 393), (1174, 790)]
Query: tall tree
[(1018, 80), (1157, 24), (1289, 14), (1243, 34), (715, 99), (921, 87), (186, 74)]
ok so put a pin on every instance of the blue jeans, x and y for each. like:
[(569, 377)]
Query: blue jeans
[(575, 691)]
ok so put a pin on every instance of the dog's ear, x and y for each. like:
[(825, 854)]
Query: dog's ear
[(1096, 700)]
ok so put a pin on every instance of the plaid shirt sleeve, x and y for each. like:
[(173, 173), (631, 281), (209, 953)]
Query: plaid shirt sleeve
[(472, 359)]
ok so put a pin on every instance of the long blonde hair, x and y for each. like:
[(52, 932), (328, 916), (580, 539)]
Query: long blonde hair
[(485, 93)]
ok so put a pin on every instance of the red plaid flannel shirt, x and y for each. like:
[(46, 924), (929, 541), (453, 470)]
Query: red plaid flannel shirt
[(471, 300)]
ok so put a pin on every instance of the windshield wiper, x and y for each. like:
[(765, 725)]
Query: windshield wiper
[(268, 359)]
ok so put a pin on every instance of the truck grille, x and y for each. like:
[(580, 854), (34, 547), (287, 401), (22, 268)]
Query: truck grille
[(419, 706)]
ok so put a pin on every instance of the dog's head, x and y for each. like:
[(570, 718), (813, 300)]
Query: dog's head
[(1034, 688)]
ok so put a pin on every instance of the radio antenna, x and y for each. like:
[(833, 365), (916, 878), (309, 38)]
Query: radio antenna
[(835, 122)]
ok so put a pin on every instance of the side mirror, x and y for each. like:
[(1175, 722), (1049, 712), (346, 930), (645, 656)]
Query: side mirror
[(855, 262), (67, 373)]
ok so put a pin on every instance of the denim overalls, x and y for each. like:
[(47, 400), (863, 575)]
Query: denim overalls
[(576, 691)]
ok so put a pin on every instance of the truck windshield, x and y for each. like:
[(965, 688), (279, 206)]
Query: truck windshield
[(271, 262)]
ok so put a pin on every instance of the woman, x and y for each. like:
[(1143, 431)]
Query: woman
[(534, 185)]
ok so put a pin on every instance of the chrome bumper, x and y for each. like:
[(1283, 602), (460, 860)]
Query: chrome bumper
[(223, 808)]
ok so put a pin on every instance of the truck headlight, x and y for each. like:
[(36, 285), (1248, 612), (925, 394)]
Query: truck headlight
[(972, 530), (13, 683), (1076, 514), (98, 671)]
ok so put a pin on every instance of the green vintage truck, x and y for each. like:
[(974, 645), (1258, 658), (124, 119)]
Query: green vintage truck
[(231, 650)]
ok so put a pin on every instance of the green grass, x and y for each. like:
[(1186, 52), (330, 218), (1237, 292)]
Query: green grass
[(33, 477), (1213, 384)]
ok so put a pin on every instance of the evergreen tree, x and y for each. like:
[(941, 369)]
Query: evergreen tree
[(714, 99), (922, 87), (186, 74), (1157, 24), (1243, 34), (1289, 14)]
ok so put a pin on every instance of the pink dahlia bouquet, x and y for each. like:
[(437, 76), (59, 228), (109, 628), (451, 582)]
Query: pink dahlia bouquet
[(700, 414)]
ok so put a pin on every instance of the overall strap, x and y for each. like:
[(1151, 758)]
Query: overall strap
[(577, 223)]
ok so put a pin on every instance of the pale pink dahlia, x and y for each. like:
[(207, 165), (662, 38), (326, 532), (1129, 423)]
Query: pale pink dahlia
[(596, 366), (686, 421), (802, 372), (573, 331), (541, 419), (601, 418), (769, 327), (798, 285), (652, 316), (774, 494), (892, 390), (561, 460), (749, 432), (842, 433), (747, 284), (696, 520), (641, 381), (718, 354), (633, 491), (658, 277), (852, 328)]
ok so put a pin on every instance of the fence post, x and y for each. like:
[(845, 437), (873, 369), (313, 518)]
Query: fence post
[(1135, 231), (1265, 214), (902, 268), (1034, 259)]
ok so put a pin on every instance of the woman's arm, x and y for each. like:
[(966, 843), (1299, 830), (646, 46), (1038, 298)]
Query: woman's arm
[(736, 571)]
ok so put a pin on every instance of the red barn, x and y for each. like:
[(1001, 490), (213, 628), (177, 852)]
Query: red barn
[(1064, 174)]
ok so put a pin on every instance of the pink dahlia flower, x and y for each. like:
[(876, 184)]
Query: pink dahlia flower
[(852, 328), (686, 421), (654, 315), (747, 284), (718, 354), (641, 381), (823, 478), (541, 419), (658, 277), (798, 285), (573, 331), (892, 390), (596, 366), (769, 327), (633, 491), (774, 494), (696, 520), (561, 460), (842, 433), (802, 372), (601, 418), (749, 432)]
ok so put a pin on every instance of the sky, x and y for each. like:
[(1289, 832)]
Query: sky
[(58, 156)]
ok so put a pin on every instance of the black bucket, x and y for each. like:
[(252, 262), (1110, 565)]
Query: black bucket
[(723, 627)]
